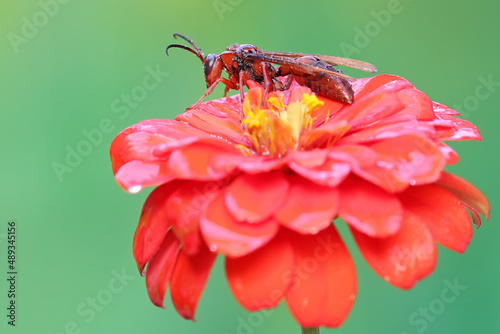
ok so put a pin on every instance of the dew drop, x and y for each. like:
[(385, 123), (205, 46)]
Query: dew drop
[(213, 248), (134, 189)]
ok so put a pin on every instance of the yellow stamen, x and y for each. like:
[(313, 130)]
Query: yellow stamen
[(327, 118), (256, 119), (312, 102), (278, 105), (294, 116), (244, 150), (275, 130)]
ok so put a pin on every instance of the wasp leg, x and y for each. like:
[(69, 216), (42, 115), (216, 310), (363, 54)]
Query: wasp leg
[(242, 94), (229, 85), (288, 82), (278, 84), (208, 92), (241, 84), (268, 83)]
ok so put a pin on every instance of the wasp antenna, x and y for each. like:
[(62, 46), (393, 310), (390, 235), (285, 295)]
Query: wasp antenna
[(190, 41), (185, 48)]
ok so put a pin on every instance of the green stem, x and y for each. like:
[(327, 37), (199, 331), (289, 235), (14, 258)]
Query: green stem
[(310, 330)]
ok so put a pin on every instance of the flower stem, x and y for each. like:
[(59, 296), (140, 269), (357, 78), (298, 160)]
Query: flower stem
[(311, 330)]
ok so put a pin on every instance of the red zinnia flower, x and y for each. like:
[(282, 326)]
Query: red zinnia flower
[(263, 193)]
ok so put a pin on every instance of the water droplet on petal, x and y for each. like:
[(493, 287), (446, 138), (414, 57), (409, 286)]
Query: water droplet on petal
[(213, 248), (134, 189)]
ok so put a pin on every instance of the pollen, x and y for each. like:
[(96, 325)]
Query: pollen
[(276, 104), (312, 102), (275, 127)]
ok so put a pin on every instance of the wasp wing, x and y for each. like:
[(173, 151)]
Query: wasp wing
[(278, 60), (357, 64)]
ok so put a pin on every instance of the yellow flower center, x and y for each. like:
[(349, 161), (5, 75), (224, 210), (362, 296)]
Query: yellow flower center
[(275, 130)]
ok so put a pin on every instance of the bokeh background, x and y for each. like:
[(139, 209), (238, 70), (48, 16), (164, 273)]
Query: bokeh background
[(73, 69)]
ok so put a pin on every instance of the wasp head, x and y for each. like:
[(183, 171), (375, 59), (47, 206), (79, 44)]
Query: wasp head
[(212, 68), (212, 64)]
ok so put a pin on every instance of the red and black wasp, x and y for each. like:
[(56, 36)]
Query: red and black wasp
[(244, 62)]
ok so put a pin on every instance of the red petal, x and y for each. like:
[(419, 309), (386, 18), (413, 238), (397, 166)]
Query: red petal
[(309, 159), (138, 141), (254, 96), (328, 109), (384, 130), (449, 154), (411, 159), (365, 86), (452, 128), (364, 163), (115, 150), (218, 117), (184, 207), (476, 219), (188, 280), (309, 207), (225, 235), (203, 161), (153, 224), (296, 94), (445, 216), (324, 135), (160, 269), (358, 156), (140, 145), (255, 164), (330, 173), (136, 175), (170, 129), (404, 258), (369, 209), (258, 280), (253, 198), (324, 284), (417, 104), (441, 109), (465, 192), (378, 105)]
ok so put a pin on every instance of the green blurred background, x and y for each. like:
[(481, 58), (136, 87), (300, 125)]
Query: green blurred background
[(67, 68)]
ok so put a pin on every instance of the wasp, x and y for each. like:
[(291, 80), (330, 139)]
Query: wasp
[(243, 62)]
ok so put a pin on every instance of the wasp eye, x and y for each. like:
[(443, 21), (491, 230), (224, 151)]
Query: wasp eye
[(209, 63)]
